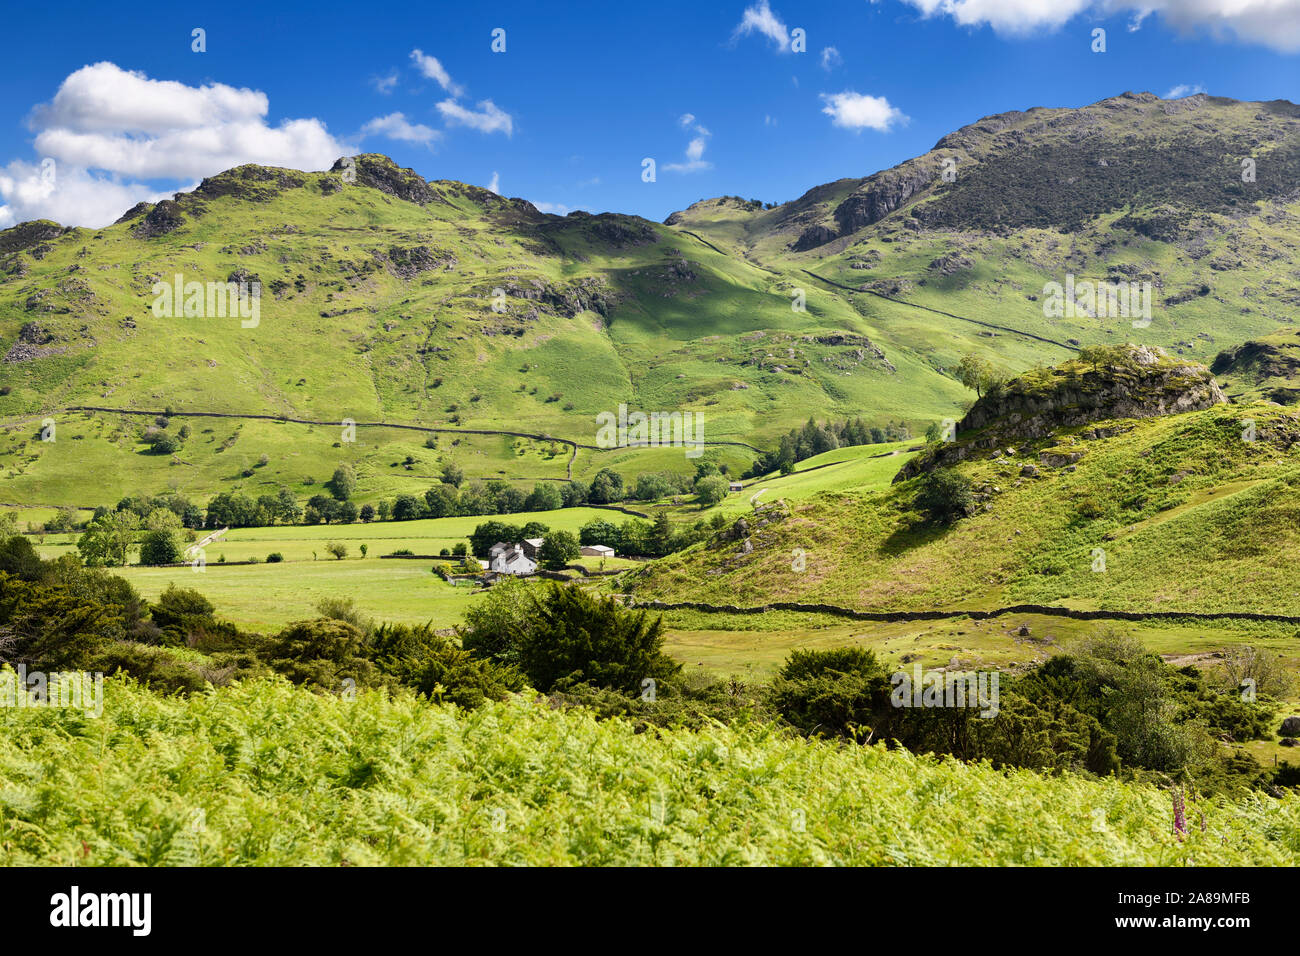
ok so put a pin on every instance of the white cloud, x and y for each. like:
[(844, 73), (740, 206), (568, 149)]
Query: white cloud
[(495, 185), (1183, 89), (107, 126), (1006, 16), (384, 84), (831, 58), (1272, 23), (694, 149), (858, 111), (75, 197), (489, 119), (396, 126), (769, 120), (106, 98), (434, 70), (554, 208), (760, 19)]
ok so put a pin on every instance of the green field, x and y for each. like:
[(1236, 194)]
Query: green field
[(267, 596)]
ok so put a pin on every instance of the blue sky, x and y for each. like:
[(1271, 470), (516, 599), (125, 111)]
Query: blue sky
[(125, 108)]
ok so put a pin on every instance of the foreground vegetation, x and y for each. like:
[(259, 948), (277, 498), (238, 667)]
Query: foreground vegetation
[(268, 774)]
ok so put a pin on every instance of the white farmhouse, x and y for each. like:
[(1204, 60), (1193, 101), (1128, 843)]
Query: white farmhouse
[(507, 558)]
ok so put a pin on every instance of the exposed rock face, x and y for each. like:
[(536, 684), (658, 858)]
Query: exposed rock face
[(34, 341), (251, 182), (135, 212), (951, 264), (380, 172), (1129, 382), (880, 195), (163, 218), (27, 235), (619, 231), (814, 236), (579, 296), (1273, 362), (407, 263)]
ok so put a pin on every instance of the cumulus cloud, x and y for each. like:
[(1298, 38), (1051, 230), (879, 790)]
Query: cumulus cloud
[(695, 160), (430, 68), (106, 128), (761, 20), (858, 111), (70, 196), (831, 58), (396, 126), (490, 118), (384, 84), (1183, 89), (1271, 23)]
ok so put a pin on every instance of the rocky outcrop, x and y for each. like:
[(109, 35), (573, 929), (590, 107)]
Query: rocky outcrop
[(1272, 362), (380, 172), (163, 218), (815, 235), (135, 212), (34, 341), (407, 263), (876, 198), (1127, 381), (29, 235), (618, 231), (880, 195), (252, 183), (580, 295)]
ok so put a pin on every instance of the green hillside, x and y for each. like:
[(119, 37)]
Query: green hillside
[(1187, 514), (388, 299)]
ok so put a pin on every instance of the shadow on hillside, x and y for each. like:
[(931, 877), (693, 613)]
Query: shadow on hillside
[(912, 535)]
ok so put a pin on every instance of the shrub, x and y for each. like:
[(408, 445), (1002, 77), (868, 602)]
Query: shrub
[(336, 548), (324, 652), (436, 667), (19, 558), (945, 496), (345, 609), (575, 637), (275, 557), (830, 693), (494, 625)]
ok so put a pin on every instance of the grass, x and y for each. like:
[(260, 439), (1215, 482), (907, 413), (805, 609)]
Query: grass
[(1189, 516), (267, 774), (265, 597)]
